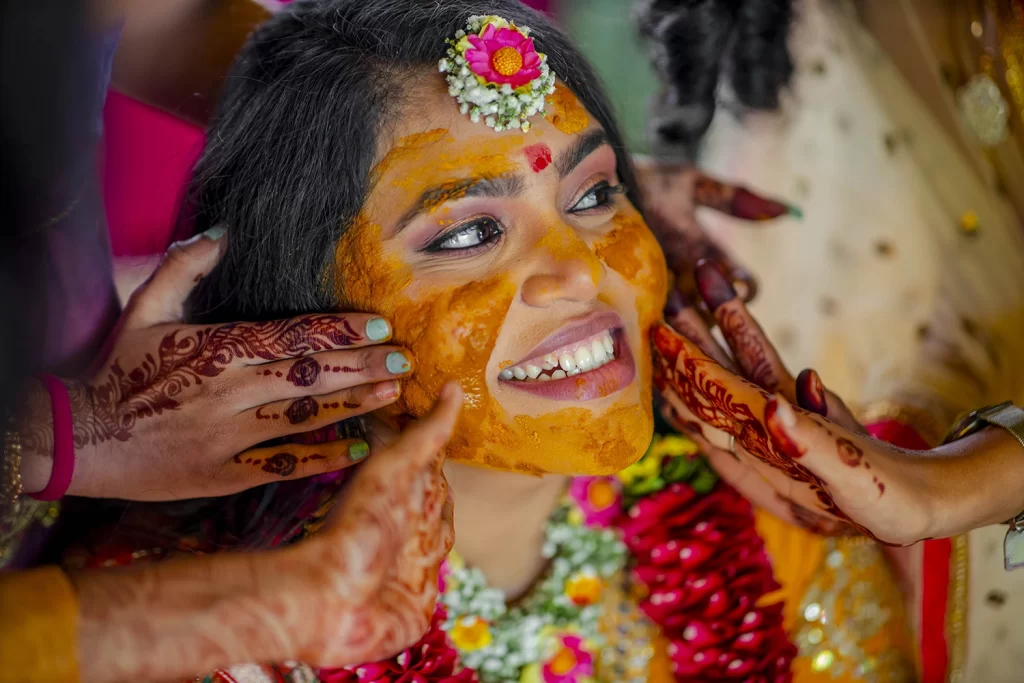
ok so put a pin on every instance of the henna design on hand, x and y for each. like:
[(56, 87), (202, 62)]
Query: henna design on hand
[(108, 410), (849, 453), (281, 464), (748, 347), (714, 404), (304, 372), (302, 409)]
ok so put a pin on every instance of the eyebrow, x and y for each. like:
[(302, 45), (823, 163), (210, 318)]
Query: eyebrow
[(574, 154), (504, 186)]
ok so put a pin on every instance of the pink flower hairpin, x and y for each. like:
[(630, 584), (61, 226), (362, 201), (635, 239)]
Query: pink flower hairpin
[(496, 74)]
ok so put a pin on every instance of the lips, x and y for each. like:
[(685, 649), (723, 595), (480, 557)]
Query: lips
[(584, 361)]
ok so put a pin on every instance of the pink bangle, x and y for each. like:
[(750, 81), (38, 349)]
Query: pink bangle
[(63, 441)]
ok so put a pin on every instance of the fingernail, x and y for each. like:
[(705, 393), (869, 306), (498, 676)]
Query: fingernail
[(358, 451), (386, 391), (810, 393), (676, 304), (397, 363), (714, 287), (378, 329), (215, 233), (777, 416), (795, 212)]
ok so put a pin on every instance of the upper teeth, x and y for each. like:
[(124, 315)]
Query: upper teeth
[(584, 356)]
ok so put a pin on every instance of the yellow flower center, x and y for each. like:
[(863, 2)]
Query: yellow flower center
[(600, 494), (507, 61), (583, 589), (564, 662), (470, 633)]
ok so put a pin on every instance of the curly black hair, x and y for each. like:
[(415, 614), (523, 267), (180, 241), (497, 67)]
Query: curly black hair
[(694, 45)]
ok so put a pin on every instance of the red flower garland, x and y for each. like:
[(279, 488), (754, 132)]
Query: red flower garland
[(706, 572)]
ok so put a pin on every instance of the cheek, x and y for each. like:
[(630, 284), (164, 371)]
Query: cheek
[(631, 250), (452, 333)]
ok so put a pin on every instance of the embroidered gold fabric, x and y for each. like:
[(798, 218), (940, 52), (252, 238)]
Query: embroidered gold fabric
[(845, 611)]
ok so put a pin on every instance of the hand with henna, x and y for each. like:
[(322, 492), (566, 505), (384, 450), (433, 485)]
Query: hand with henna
[(180, 411), (671, 196), (361, 589), (799, 452)]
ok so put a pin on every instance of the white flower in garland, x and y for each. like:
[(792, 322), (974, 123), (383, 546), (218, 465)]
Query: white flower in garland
[(496, 74), (561, 615)]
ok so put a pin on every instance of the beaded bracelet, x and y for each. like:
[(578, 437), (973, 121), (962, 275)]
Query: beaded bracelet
[(10, 491)]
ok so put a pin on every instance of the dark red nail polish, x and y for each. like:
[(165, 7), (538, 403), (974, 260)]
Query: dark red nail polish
[(777, 433), (810, 393), (676, 304), (713, 285)]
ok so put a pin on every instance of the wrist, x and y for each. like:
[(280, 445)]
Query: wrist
[(34, 424), (982, 482)]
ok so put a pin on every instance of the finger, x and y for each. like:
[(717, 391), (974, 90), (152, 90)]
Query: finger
[(255, 344), (267, 464), (831, 453), (810, 392), (308, 413), (681, 416), (754, 354), (322, 373), (161, 299), (687, 321), (422, 443), (749, 483), (739, 202), (811, 395)]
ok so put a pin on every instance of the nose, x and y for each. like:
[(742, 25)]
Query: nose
[(567, 271)]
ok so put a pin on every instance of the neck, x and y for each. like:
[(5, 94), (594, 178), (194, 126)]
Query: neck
[(500, 518)]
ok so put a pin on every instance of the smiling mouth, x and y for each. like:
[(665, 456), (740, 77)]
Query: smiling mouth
[(570, 360), (589, 360)]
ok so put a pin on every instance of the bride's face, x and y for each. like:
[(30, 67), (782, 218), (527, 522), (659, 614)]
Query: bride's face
[(513, 264)]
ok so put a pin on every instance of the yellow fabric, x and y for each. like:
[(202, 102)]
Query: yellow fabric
[(843, 607), (38, 627)]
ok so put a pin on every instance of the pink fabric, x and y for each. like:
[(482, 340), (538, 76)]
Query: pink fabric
[(147, 158)]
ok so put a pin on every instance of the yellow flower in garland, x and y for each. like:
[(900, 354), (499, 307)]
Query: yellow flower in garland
[(584, 588), (668, 458), (470, 633)]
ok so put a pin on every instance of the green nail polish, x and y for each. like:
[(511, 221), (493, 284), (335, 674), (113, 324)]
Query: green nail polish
[(796, 212), (378, 329), (215, 233), (397, 363), (358, 451)]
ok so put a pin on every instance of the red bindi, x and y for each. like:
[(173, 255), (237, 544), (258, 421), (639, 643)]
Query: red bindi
[(539, 156)]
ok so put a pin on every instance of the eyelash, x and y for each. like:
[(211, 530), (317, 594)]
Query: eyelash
[(496, 231)]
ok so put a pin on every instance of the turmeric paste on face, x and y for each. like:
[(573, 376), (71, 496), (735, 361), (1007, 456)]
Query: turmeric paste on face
[(453, 330)]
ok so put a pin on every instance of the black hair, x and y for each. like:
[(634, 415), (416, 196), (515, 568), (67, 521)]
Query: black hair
[(290, 150), (697, 45)]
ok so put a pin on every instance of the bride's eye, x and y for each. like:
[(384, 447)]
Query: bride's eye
[(479, 233), (599, 196)]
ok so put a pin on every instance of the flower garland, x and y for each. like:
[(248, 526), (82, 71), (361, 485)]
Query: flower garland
[(695, 558), (696, 568)]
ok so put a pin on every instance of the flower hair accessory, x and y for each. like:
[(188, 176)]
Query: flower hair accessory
[(496, 74)]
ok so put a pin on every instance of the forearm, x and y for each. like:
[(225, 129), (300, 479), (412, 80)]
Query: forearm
[(180, 618), (982, 481)]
